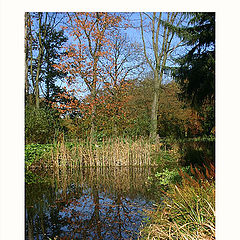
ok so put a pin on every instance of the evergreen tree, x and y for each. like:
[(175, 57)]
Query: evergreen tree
[(196, 74), (49, 74)]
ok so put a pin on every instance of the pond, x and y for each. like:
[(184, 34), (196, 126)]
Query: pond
[(89, 203)]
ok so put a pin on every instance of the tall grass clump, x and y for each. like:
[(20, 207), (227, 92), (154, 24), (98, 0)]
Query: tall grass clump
[(110, 152), (188, 209)]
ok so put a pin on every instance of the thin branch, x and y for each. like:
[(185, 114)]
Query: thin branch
[(144, 44)]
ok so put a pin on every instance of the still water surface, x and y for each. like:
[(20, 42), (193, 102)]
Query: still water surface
[(91, 203)]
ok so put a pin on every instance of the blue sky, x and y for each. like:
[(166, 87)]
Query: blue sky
[(133, 34)]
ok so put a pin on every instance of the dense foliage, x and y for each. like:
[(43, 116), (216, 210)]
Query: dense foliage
[(41, 125), (196, 74)]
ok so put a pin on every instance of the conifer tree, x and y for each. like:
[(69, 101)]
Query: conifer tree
[(196, 74)]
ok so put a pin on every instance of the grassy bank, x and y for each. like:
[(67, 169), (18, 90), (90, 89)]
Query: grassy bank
[(187, 210)]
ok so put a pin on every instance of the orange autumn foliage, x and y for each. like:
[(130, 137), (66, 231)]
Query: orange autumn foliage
[(90, 45)]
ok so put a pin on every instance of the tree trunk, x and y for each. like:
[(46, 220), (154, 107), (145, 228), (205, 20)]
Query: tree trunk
[(93, 113), (37, 79), (39, 58), (154, 110), (31, 66), (92, 131), (161, 39), (26, 56), (94, 94)]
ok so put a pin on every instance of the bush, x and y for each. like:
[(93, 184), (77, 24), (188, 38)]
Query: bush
[(41, 125), (35, 152), (170, 177), (198, 152)]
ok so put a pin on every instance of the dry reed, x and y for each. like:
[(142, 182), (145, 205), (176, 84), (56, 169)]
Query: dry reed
[(111, 152)]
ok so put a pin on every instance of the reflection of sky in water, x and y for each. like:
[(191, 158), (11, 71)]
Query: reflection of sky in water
[(120, 217), (86, 212)]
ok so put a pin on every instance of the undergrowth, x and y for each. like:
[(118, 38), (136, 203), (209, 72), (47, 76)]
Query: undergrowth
[(187, 210)]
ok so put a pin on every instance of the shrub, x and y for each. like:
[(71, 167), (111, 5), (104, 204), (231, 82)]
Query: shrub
[(167, 177), (187, 211), (40, 125), (198, 152), (35, 152)]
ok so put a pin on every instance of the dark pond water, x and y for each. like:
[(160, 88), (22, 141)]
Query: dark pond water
[(91, 203)]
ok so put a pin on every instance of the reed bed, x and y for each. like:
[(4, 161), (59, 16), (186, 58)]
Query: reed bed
[(110, 152)]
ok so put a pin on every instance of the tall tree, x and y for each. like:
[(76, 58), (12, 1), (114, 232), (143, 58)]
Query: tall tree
[(196, 73), (43, 42), (41, 37), (123, 64), (49, 74), (160, 26), (26, 50), (91, 42)]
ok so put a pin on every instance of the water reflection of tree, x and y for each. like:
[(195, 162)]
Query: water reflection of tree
[(112, 217), (42, 211), (39, 216), (87, 204)]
